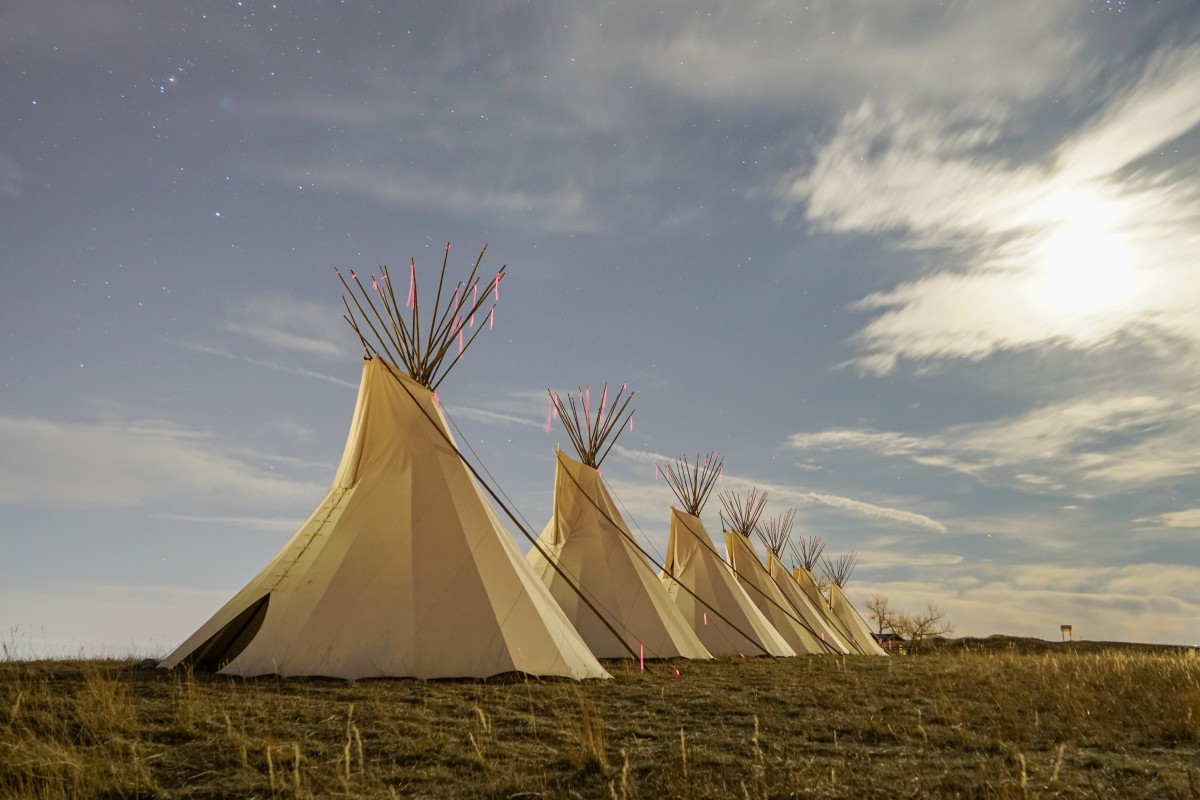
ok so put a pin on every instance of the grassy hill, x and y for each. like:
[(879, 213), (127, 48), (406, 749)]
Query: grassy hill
[(973, 718)]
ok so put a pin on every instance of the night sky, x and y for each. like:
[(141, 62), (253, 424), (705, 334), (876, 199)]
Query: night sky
[(924, 271)]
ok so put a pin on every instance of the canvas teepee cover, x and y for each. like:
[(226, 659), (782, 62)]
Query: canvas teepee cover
[(692, 562), (848, 616), (808, 585), (589, 541), (403, 570), (767, 595), (804, 607), (741, 517)]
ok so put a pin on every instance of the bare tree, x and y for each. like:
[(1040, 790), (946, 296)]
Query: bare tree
[(882, 613), (924, 626)]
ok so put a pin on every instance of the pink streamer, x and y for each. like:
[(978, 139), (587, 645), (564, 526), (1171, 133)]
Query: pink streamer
[(643, 658), (491, 318), (496, 285), (412, 284)]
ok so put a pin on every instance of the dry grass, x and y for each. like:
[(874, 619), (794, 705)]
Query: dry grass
[(958, 723)]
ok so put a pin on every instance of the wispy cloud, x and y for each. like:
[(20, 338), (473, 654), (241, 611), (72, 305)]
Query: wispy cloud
[(769, 53), (786, 495), (130, 464), (561, 208), (285, 323), (1121, 603), (72, 619), (1079, 445), (273, 524), (258, 362), (490, 417), (863, 509), (1189, 518)]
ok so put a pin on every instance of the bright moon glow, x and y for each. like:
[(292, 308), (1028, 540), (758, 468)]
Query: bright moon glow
[(1087, 267)]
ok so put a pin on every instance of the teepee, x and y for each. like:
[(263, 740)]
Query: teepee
[(588, 557), (838, 573), (806, 555), (740, 518), (775, 534), (404, 570), (702, 585)]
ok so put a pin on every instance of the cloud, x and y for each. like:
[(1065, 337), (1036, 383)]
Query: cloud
[(130, 464), (561, 209), (862, 509), (890, 559), (796, 496), (273, 524), (1110, 443), (66, 619), (258, 362), (768, 53), (1181, 519), (490, 417), (1159, 108), (292, 430), (1082, 247), (284, 323), (642, 456), (1146, 602)]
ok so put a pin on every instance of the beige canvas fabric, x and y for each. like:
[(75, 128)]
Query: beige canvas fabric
[(589, 541), (804, 607), (809, 586), (404, 569), (692, 561), (767, 595), (844, 611)]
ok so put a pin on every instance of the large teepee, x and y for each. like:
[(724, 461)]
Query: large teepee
[(404, 569), (775, 535), (741, 517), (698, 579), (603, 581), (838, 573)]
